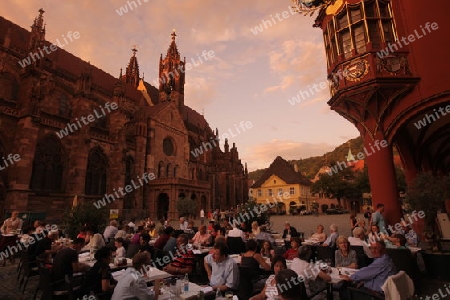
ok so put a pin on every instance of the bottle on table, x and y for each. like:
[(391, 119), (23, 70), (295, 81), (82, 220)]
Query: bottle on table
[(186, 283)]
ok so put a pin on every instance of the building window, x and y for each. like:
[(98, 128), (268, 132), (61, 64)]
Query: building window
[(291, 191), (161, 169), (169, 171), (168, 147), (47, 166), (64, 106), (269, 192), (280, 192), (128, 170), (97, 169), (274, 182), (9, 87), (354, 27), (175, 171), (259, 193)]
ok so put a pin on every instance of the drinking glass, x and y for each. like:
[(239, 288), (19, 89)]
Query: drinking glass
[(229, 295)]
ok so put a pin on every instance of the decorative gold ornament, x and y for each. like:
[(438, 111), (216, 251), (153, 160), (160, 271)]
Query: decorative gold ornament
[(356, 70), (306, 7)]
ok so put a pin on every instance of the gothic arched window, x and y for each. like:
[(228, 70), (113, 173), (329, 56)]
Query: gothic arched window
[(160, 169), (9, 87), (47, 166), (176, 171), (97, 169), (128, 170), (64, 106), (169, 171)]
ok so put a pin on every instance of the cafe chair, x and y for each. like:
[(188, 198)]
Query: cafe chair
[(52, 290), (29, 270), (324, 253), (398, 286), (245, 289), (235, 245), (363, 259), (403, 260), (132, 250)]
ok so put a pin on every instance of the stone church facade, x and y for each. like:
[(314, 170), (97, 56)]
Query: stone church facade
[(57, 114)]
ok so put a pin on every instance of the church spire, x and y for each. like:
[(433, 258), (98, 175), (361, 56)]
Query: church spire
[(132, 71), (171, 75), (37, 37)]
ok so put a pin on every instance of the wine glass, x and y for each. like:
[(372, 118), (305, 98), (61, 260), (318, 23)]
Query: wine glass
[(339, 270)]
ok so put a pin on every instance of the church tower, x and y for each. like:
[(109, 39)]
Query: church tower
[(132, 71), (171, 75), (37, 36)]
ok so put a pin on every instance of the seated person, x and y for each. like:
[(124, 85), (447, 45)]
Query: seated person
[(320, 235), (122, 233), (263, 235), (375, 234), (96, 240), (12, 224), (293, 251), (411, 237), (184, 261), (144, 245), (136, 236), (190, 228), (66, 261), (244, 228), (344, 257), (202, 237), (362, 225), (255, 228), (226, 225), (252, 259), (99, 279), (44, 247), (236, 232), (152, 231), (331, 240), (223, 272), (270, 289), (358, 239), (267, 250), (132, 284), (289, 231), (211, 226), (288, 285), (183, 224), (171, 245), (163, 238), (305, 270), (120, 250), (110, 230), (397, 241), (374, 275)]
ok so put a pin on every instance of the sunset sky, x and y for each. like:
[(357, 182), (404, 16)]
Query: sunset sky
[(250, 79)]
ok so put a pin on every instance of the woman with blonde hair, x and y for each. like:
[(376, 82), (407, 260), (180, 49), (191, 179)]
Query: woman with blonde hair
[(255, 228)]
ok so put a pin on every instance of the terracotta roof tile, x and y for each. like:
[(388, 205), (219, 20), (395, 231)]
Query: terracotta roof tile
[(285, 171)]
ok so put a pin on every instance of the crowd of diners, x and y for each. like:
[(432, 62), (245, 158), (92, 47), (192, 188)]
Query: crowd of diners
[(221, 268)]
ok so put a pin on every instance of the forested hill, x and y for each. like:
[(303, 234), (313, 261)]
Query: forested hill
[(310, 166)]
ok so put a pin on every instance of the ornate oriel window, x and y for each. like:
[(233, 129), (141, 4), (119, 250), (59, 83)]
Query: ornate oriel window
[(97, 168), (349, 32), (47, 166)]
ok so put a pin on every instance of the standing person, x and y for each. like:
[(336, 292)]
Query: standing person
[(368, 214), (378, 218), (353, 221), (202, 217), (12, 224)]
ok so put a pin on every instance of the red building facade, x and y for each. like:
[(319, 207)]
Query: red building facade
[(388, 69)]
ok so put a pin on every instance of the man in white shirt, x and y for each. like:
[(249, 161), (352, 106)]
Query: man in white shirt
[(183, 224), (202, 217), (132, 284), (110, 231), (222, 270), (236, 232), (132, 225)]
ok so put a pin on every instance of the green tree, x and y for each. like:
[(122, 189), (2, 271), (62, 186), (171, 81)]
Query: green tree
[(340, 185), (186, 207), (428, 193), (84, 214)]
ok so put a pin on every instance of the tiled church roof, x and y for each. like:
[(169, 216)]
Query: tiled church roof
[(284, 171)]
